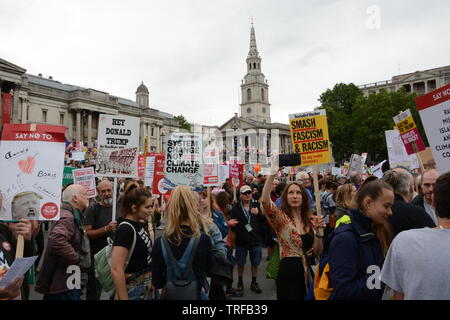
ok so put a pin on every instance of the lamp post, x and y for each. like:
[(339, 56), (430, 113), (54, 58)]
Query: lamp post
[(234, 127), (162, 141)]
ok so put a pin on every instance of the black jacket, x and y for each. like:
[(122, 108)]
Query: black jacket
[(418, 201), (244, 238), (406, 216)]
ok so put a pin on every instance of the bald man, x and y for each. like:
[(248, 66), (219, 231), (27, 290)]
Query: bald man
[(99, 226), (424, 199), (67, 247)]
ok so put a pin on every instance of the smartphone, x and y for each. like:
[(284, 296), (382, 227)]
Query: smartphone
[(289, 160)]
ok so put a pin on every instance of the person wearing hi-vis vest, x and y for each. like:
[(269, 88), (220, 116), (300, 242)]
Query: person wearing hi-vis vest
[(251, 223)]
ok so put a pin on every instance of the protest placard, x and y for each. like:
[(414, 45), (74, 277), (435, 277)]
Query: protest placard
[(141, 166), (434, 110), (149, 170), (158, 174), (309, 134), (408, 132), (376, 170), (224, 173), (397, 152), (32, 164), (118, 146), (356, 164), (426, 156), (86, 178), (236, 173), (211, 167), (67, 176), (78, 155), (183, 164)]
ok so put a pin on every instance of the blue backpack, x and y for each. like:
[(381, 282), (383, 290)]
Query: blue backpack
[(181, 281)]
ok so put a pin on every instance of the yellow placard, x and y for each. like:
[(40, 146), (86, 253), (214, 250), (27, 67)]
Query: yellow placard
[(405, 125), (309, 135)]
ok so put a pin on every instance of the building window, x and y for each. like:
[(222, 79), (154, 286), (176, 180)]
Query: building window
[(447, 80), (61, 118), (264, 110), (28, 112), (250, 66), (249, 94), (153, 131), (44, 116), (254, 65), (249, 110), (262, 94)]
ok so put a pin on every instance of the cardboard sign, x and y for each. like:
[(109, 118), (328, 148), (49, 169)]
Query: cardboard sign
[(32, 165), (118, 145), (426, 156), (434, 110), (183, 164), (397, 152), (149, 170), (67, 176), (408, 131), (309, 134), (86, 178)]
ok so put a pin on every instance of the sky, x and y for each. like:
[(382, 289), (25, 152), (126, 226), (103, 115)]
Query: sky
[(191, 54)]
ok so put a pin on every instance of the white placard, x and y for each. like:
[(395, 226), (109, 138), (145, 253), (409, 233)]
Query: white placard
[(118, 146), (397, 152), (377, 172), (86, 178), (149, 171)]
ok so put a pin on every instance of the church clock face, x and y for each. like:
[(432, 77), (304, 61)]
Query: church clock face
[(249, 110)]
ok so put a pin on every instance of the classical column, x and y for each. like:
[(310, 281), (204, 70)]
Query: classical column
[(158, 139), (24, 104), (142, 133), (15, 112), (70, 125), (78, 125), (89, 129)]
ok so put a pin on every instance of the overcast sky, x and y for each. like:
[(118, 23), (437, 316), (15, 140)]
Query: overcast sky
[(191, 54)]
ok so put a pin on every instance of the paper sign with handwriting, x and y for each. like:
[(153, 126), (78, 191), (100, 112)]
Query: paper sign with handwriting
[(32, 162)]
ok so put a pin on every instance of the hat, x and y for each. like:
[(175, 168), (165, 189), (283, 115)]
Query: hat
[(245, 189)]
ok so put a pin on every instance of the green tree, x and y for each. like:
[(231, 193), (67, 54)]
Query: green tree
[(339, 103), (184, 124)]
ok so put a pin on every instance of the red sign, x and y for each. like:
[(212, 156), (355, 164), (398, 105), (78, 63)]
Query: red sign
[(236, 173), (141, 166), (26, 132), (433, 98), (6, 108), (158, 177), (49, 210)]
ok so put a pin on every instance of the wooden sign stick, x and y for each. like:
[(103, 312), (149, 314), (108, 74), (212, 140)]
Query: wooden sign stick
[(209, 199), (19, 248), (317, 196)]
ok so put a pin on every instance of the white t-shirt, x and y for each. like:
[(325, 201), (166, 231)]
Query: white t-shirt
[(418, 264)]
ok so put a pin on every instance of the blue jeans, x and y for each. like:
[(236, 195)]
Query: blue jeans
[(66, 295), (255, 255)]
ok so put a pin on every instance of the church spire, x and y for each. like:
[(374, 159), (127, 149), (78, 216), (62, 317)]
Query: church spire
[(253, 52)]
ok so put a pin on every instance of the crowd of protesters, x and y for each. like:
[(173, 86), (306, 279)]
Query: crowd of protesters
[(394, 224)]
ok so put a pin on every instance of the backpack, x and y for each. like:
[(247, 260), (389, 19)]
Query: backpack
[(181, 281), (102, 261)]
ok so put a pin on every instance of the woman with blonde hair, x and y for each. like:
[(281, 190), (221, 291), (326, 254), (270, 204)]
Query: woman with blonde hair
[(344, 199), (183, 227)]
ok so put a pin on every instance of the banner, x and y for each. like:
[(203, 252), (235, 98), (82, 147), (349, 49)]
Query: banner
[(118, 145), (397, 153), (309, 134), (32, 165), (434, 110), (67, 176), (86, 178), (408, 131), (6, 107), (183, 165)]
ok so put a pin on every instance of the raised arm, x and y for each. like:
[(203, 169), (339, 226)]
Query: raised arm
[(265, 197)]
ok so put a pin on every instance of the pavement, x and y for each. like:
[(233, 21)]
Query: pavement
[(267, 285)]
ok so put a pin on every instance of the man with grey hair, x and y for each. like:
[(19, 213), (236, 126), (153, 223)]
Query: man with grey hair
[(405, 216), (67, 254)]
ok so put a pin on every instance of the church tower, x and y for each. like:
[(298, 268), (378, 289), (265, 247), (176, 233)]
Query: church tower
[(254, 88)]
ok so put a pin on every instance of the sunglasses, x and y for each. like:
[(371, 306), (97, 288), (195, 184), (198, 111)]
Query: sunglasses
[(247, 193)]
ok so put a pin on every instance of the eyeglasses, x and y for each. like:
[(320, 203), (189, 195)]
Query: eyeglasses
[(247, 193)]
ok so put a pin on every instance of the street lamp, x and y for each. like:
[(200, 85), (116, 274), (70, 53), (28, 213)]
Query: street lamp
[(234, 127)]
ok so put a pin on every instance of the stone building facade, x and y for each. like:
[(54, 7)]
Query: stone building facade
[(46, 101), (419, 82)]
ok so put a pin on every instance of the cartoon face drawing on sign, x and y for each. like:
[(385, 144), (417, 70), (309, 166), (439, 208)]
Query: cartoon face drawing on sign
[(26, 205)]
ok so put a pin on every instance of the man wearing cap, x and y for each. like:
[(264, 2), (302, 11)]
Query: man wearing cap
[(248, 231)]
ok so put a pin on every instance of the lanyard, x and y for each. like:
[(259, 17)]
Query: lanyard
[(247, 213)]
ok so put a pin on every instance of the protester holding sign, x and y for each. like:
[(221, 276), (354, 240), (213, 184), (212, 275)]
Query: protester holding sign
[(296, 234), (8, 240)]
